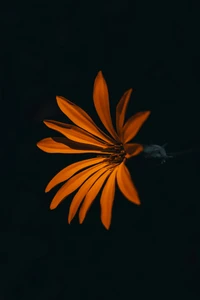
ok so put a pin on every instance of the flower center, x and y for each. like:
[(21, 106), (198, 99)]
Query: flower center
[(117, 154)]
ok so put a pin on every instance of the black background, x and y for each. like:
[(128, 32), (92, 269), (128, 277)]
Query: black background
[(50, 49)]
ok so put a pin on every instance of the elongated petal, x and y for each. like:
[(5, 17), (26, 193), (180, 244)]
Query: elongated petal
[(73, 183), (74, 133), (78, 198), (70, 170), (91, 195), (126, 185), (133, 125), (101, 103), (79, 117), (107, 198), (121, 111), (54, 145), (132, 149)]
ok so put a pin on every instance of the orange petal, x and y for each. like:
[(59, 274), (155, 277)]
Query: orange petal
[(78, 198), (73, 183), (79, 117), (126, 185), (107, 198), (70, 170), (121, 111), (57, 145), (101, 103), (132, 149), (133, 125), (91, 195), (74, 133)]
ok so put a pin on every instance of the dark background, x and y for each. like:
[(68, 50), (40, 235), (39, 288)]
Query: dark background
[(50, 49)]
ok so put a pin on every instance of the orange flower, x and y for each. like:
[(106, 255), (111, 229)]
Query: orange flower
[(107, 168)]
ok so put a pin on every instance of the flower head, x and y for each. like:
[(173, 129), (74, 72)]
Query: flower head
[(102, 172)]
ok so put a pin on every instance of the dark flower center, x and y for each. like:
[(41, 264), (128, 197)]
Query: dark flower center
[(117, 154)]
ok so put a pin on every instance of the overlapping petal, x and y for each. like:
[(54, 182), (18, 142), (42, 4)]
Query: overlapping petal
[(78, 198), (107, 198), (75, 133), (59, 145), (91, 195), (132, 149), (101, 103), (121, 111), (73, 183), (79, 117), (133, 125), (126, 185), (70, 170)]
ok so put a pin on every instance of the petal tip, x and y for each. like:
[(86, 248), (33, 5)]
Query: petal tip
[(100, 73), (107, 227), (148, 112), (138, 202), (52, 206), (38, 144), (59, 99), (47, 189)]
